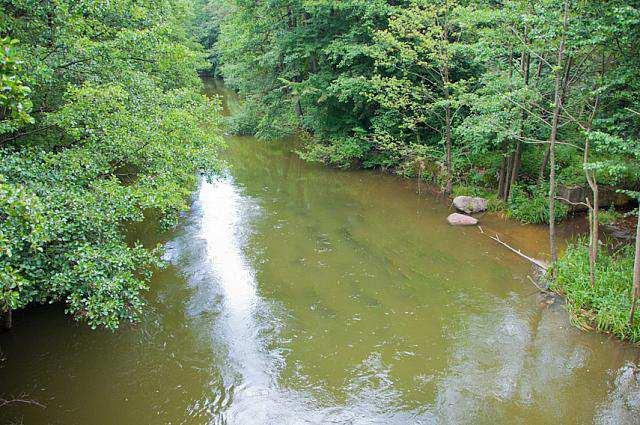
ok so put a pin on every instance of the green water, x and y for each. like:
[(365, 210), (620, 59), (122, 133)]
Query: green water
[(303, 295)]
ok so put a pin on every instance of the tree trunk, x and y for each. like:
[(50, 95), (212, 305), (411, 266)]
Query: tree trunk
[(313, 64), (552, 141), (504, 194), (6, 321), (298, 107), (449, 158), (543, 167), (525, 64), (594, 222), (595, 238), (502, 176), (636, 273), (515, 166), (447, 127)]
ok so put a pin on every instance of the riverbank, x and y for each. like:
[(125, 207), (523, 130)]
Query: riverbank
[(510, 223)]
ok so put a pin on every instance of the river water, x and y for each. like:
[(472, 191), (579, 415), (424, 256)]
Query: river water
[(303, 295)]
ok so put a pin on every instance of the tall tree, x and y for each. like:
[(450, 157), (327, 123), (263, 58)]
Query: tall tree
[(560, 74)]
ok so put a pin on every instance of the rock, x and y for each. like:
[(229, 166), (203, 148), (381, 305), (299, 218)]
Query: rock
[(577, 195), (457, 219), (470, 204)]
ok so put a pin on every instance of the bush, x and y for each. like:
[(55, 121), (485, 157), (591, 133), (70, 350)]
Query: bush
[(606, 305), (610, 216), (533, 208), (340, 152)]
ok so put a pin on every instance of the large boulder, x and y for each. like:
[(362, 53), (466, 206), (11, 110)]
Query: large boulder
[(576, 195), (470, 204), (457, 219)]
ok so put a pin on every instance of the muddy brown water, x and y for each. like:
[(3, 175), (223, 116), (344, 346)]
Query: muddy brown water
[(303, 295)]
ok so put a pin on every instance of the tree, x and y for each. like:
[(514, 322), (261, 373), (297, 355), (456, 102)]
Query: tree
[(554, 134), (118, 130)]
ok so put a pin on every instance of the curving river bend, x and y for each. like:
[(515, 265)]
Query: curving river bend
[(302, 295)]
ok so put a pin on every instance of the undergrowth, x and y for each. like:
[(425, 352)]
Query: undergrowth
[(606, 305), (532, 206)]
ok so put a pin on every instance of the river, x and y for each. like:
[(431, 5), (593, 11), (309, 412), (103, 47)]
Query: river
[(303, 295)]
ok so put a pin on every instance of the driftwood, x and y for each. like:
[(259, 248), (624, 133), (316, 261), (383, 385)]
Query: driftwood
[(541, 264), (21, 400), (541, 289)]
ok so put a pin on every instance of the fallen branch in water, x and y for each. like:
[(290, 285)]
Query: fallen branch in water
[(21, 400), (536, 285), (538, 263)]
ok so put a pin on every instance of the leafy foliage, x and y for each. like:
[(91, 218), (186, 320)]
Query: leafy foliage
[(605, 306), (118, 129), (367, 81), (533, 208)]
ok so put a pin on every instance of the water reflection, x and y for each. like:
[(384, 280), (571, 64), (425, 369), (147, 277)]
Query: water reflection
[(623, 401), (505, 361)]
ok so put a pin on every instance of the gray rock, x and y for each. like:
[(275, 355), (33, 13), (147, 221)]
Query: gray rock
[(577, 194), (470, 204), (457, 219)]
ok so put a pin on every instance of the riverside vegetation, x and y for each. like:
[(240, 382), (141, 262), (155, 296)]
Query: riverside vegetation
[(505, 99), (102, 121)]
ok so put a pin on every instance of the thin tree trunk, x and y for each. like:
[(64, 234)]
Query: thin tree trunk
[(449, 159), (525, 64), (6, 321), (504, 195), (313, 64), (552, 142), (502, 175), (515, 166), (447, 130), (595, 237), (594, 222), (298, 107), (636, 273), (543, 167)]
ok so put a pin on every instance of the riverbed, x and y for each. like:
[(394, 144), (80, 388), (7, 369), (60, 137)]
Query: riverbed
[(299, 294)]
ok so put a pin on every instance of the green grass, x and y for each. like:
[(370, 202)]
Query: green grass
[(605, 306), (533, 206), (609, 216)]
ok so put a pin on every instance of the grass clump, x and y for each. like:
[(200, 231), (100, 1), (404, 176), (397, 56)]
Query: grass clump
[(532, 206), (610, 216), (606, 305)]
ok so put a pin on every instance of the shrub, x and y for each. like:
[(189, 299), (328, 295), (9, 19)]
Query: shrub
[(606, 305), (533, 208), (609, 216)]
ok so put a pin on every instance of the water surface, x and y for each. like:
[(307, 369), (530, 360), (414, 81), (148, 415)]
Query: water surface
[(303, 295)]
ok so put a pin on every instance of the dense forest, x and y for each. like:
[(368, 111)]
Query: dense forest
[(102, 122), (511, 100)]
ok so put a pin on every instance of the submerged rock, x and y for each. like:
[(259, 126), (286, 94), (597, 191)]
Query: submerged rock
[(470, 204), (457, 219)]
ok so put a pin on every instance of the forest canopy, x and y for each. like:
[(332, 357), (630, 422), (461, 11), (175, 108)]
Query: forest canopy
[(463, 91), (102, 122)]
